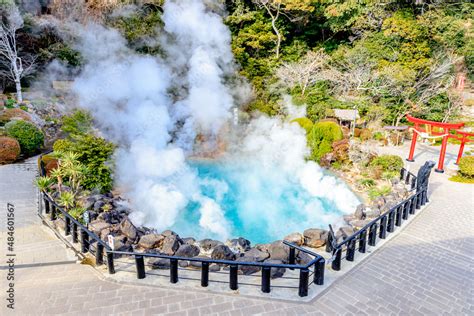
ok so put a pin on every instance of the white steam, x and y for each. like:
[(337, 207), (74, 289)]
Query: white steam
[(154, 108)]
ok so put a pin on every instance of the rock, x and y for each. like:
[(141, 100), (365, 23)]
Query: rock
[(214, 267), (239, 245), (359, 213), (358, 224), (104, 233), (276, 272), (97, 226), (379, 202), (171, 243), (189, 241), (151, 241), (303, 258), (279, 251), (247, 270), (128, 229), (257, 255), (208, 244), (167, 233), (315, 237), (98, 205), (183, 263), (222, 252), (372, 212), (187, 251), (295, 238), (88, 203), (159, 263), (344, 232), (263, 247)]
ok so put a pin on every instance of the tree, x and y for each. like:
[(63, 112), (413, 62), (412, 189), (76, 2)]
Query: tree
[(13, 64), (275, 8)]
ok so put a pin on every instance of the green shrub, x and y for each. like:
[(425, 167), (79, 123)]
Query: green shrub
[(77, 123), (466, 166), (321, 138), (378, 136), (31, 139), (10, 103), (388, 162), (368, 183), (376, 192), (93, 152), (305, 123)]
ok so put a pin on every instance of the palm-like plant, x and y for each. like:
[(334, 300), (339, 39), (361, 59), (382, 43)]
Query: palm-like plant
[(43, 183), (58, 173), (77, 212), (66, 199)]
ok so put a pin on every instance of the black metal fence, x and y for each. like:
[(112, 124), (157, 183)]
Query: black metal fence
[(102, 252), (367, 236), (384, 224)]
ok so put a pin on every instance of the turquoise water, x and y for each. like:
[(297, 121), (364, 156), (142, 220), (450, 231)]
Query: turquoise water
[(259, 205)]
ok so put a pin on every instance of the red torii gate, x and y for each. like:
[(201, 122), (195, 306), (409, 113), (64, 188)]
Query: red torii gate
[(445, 134)]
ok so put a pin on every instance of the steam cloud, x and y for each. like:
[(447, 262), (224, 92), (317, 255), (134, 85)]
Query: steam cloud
[(129, 96)]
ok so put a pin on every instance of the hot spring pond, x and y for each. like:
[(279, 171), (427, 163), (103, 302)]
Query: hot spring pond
[(260, 205)]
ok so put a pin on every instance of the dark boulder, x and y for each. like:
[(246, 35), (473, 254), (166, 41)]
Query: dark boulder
[(279, 251), (128, 229), (222, 252), (171, 243), (187, 251), (247, 270), (209, 244), (360, 212), (159, 263), (239, 244), (151, 241), (189, 241), (276, 272), (256, 254)]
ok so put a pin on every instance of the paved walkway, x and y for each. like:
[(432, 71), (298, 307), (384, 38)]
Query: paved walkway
[(427, 269)]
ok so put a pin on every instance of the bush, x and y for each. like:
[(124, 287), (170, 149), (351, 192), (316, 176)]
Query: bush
[(31, 139), (388, 162), (321, 138), (376, 192), (305, 123), (10, 103), (10, 114), (9, 150), (466, 166), (78, 123), (93, 152)]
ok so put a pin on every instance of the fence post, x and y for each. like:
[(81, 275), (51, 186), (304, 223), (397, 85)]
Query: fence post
[(67, 226), (391, 221), (205, 274), (418, 200), (402, 174), (304, 278), (405, 208), (383, 228), (46, 205), (53, 212), (319, 271), (398, 218), (336, 263), (99, 254), (350, 252), (373, 234), (110, 263), (329, 243), (292, 256), (233, 282), (413, 204), (362, 241), (266, 279), (173, 270), (85, 241), (140, 264), (74, 232)]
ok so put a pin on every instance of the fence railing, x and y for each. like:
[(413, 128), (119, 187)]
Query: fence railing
[(103, 253), (384, 224), (376, 229)]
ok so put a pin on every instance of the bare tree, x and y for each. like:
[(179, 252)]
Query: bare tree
[(13, 65)]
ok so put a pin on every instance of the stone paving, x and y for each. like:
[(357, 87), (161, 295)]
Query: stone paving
[(427, 269)]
